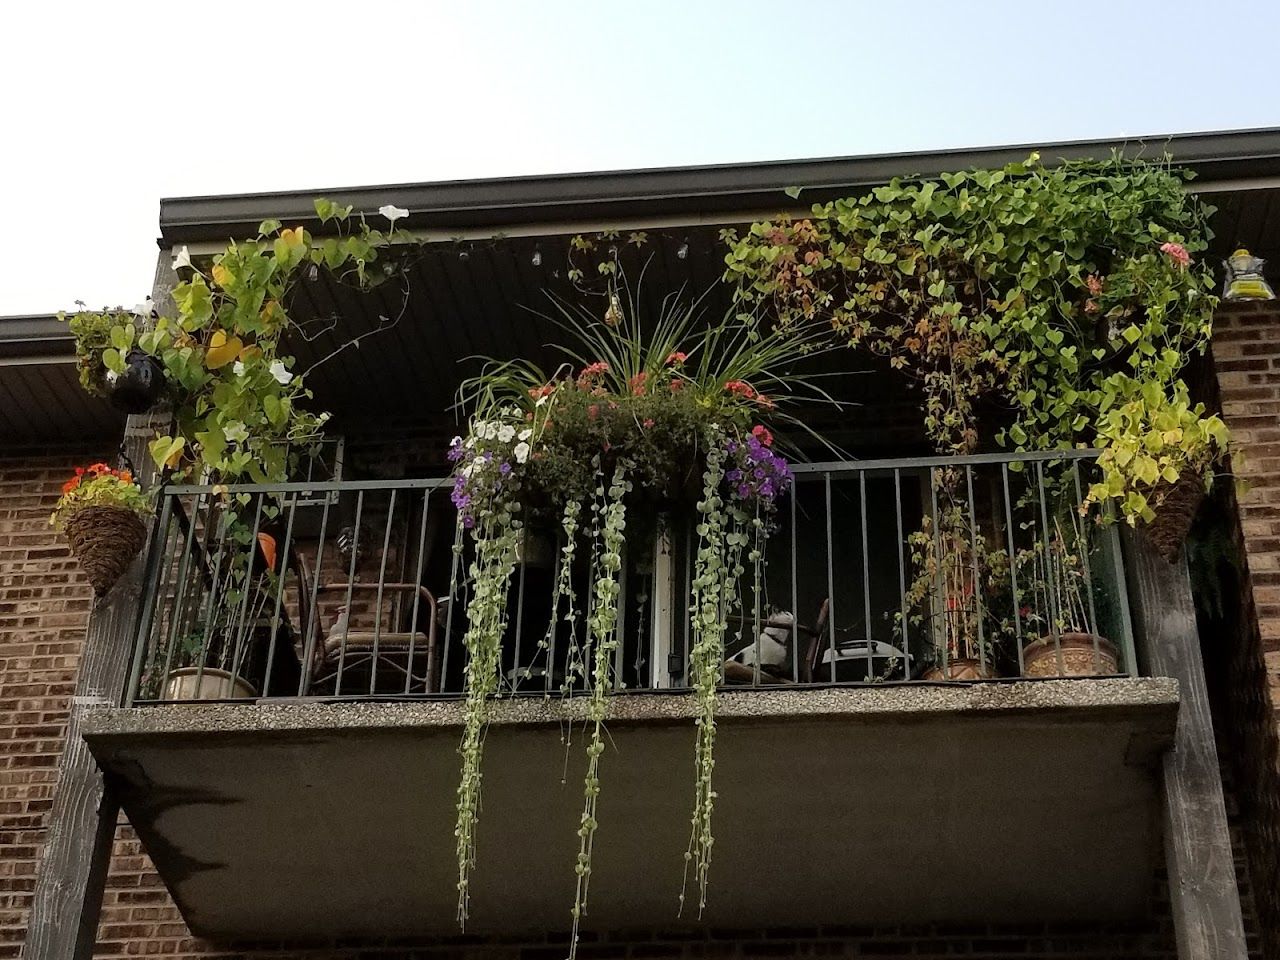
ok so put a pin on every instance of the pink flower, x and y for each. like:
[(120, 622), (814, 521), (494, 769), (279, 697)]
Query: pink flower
[(648, 422), (1094, 284), (676, 357), (1177, 253)]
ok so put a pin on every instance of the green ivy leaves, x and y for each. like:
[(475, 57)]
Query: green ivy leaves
[(1047, 288)]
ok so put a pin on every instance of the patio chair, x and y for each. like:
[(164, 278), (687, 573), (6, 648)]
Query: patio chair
[(366, 658)]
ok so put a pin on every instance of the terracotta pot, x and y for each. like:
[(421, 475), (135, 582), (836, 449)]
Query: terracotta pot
[(141, 385), (192, 683), (961, 668), (1073, 656), (104, 540)]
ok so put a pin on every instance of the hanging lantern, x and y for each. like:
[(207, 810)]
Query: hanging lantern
[(1244, 278)]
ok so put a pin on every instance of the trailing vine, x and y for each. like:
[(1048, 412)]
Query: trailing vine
[(716, 571), (603, 632)]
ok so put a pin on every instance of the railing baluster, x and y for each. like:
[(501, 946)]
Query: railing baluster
[(281, 577), (311, 629), (1050, 571), (973, 558), (902, 574), (866, 575), (417, 600), (1013, 565), (831, 588), (377, 608), (156, 559), (795, 590), (351, 580)]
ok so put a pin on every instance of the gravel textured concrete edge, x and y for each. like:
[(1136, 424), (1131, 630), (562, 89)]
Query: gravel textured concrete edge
[(1064, 699)]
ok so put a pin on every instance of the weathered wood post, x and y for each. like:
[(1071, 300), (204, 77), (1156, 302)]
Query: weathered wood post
[(1202, 876), (67, 901)]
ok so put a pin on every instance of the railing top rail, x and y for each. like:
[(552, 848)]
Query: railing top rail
[(862, 466), (326, 486), (827, 466)]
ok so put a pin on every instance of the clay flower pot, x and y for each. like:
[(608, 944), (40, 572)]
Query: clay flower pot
[(961, 668), (105, 540), (1074, 655)]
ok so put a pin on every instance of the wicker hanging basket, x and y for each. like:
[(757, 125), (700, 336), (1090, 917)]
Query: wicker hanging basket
[(1176, 508), (104, 540)]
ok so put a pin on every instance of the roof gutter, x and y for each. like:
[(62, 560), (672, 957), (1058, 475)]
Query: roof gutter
[(714, 193), (35, 339)]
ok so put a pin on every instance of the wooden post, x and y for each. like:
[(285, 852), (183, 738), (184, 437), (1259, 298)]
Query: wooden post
[(1198, 856), (67, 901)]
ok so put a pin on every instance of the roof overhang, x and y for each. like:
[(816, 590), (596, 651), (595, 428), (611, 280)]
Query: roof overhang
[(674, 196)]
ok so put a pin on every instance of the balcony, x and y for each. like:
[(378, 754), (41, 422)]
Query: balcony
[(913, 718)]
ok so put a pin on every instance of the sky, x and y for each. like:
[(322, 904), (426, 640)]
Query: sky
[(107, 107)]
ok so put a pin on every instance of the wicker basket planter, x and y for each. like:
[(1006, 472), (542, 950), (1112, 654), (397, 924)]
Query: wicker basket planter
[(1074, 655), (104, 540), (1177, 507), (961, 668)]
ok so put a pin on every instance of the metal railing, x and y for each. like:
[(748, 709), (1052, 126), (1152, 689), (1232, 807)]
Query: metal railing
[(929, 569)]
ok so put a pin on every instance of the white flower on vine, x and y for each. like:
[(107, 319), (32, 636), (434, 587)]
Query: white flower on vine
[(238, 368), (279, 371), (183, 259), (393, 213), (521, 452), (506, 433)]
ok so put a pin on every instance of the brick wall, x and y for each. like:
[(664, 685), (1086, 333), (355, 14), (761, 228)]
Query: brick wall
[(1246, 354), (44, 603)]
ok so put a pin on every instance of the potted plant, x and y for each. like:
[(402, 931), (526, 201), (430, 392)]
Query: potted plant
[(1054, 575), (111, 364), (101, 511)]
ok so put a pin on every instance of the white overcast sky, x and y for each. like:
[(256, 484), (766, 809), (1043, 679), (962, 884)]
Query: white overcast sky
[(107, 107)]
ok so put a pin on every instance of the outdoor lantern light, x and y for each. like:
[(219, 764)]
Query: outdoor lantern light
[(683, 251), (1244, 278)]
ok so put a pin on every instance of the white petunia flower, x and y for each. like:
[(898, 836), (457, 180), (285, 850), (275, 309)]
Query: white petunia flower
[(541, 400), (526, 433), (278, 370), (521, 452), (393, 213), (183, 259), (506, 433), (238, 368)]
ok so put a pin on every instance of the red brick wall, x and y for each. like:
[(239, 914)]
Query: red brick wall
[(44, 603), (1246, 354)]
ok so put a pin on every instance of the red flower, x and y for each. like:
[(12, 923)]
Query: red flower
[(597, 369), (537, 393), (636, 383), (677, 386), (648, 422), (765, 401), (762, 434), (70, 485), (675, 358), (740, 388), (1177, 253)]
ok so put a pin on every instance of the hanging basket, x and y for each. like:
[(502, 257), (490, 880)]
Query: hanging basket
[(1176, 508), (104, 540)]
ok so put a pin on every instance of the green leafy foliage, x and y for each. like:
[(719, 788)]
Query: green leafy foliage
[(239, 401), (1068, 296)]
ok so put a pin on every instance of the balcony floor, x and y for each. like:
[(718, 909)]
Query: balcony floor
[(1020, 801)]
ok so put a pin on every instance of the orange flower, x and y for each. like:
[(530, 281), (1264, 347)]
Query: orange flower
[(70, 485), (126, 476)]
